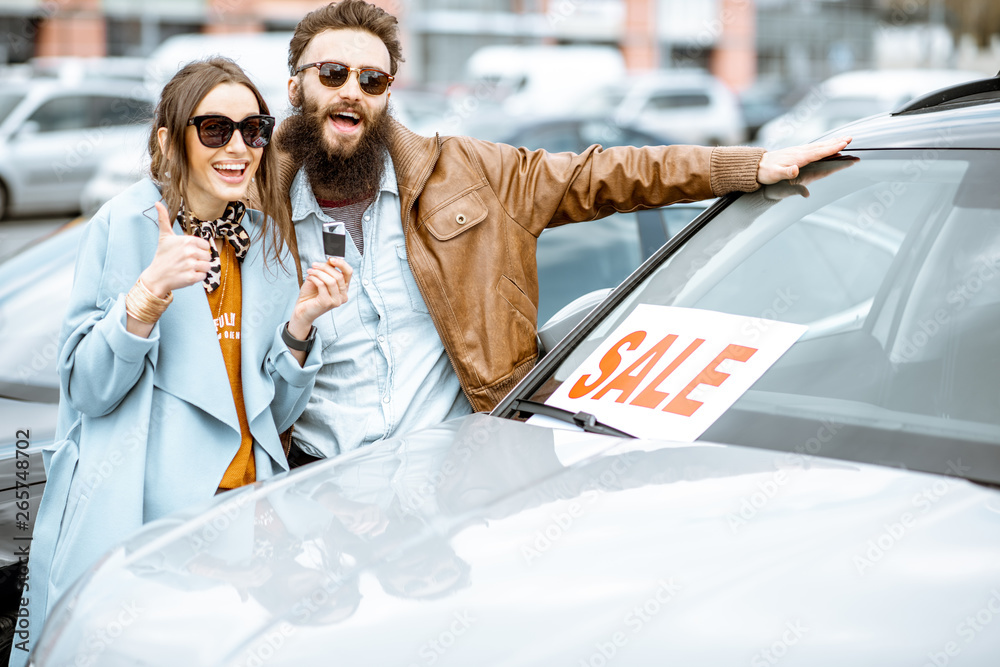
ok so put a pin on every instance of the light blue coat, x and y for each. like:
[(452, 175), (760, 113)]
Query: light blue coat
[(148, 426)]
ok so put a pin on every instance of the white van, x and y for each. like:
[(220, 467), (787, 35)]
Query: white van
[(688, 106), (543, 80)]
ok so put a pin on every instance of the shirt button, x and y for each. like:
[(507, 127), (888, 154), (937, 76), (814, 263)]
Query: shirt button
[(365, 282), (385, 400), (381, 339), (367, 218)]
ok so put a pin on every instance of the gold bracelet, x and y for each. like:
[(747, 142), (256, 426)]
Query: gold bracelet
[(143, 305)]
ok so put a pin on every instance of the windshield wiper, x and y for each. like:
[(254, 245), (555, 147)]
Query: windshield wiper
[(584, 420)]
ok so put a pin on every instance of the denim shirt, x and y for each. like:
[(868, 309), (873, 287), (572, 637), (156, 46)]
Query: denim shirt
[(385, 370)]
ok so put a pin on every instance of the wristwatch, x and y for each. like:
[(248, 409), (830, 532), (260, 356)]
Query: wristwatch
[(294, 343)]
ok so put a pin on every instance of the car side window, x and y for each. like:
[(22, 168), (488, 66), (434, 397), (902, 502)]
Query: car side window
[(684, 100), (62, 113), (574, 260), (112, 111)]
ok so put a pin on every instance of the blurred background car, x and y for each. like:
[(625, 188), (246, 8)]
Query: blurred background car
[(850, 490), (852, 96), (541, 81), (113, 176), (692, 106), (55, 132), (760, 103)]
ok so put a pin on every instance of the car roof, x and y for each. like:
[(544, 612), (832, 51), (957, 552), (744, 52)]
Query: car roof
[(674, 79), (961, 116), (95, 86), (893, 83)]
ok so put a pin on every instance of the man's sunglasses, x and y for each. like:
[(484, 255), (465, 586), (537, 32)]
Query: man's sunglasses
[(215, 131), (334, 75)]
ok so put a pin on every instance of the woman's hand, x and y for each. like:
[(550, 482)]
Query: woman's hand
[(181, 260), (324, 288)]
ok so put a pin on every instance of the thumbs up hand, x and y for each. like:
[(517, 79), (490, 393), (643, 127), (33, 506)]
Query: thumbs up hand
[(180, 260)]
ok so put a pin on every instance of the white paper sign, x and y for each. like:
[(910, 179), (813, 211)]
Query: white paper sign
[(669, 373)]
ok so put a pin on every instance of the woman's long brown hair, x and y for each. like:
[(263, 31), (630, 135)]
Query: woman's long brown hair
[(169, 169)]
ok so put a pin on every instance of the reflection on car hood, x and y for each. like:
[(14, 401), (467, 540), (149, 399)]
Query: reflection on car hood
[(486, 541), (28, 428)]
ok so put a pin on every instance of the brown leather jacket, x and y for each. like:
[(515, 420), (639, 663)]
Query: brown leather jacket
[(472, 212)]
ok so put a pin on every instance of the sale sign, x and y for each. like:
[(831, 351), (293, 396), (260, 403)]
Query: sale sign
[(669, 373)]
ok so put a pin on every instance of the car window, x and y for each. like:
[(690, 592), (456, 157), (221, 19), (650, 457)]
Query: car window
[(110, 111), (678, 100), (62, 113), (8, 102), (557, 138), (609, 134), (892, 264), (576, 259)]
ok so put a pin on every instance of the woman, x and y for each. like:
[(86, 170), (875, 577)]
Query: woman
[(186, 348)]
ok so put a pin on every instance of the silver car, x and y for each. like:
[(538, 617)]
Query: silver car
[(815, 384), (54, 133)]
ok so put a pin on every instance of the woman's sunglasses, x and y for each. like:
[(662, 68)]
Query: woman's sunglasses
[(335, 75), (215, 131)]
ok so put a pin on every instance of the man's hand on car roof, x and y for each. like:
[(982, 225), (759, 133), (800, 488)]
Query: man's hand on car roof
[(784, 164), (808, 174)]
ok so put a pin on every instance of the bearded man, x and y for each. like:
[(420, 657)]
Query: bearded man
[(442, 306)]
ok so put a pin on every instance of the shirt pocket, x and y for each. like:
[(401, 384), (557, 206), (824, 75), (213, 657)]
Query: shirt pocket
[(416, 299), (455, 217)]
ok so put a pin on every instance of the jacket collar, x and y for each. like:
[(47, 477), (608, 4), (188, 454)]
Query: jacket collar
[(413, 157)]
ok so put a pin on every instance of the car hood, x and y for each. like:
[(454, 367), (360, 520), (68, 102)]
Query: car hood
[(28, 428), (490, 542)]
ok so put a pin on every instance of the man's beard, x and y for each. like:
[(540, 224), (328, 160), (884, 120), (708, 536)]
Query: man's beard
[(337, 173)]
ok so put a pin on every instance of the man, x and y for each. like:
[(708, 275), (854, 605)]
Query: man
[(441, 311)]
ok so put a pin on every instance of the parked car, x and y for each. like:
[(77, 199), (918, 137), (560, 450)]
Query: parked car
[(762, 102), (852, 96), (816, 390), (112, 177), (54, 133), (542, 80), (692, 106)]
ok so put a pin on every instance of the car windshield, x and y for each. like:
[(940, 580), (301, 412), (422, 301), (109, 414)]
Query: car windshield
[(887, 277), (7, 103)]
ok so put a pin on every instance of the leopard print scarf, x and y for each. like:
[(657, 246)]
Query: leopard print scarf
[(227, 227)]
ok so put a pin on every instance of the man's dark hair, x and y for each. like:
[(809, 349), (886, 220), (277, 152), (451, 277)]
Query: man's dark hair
[(356, 14)]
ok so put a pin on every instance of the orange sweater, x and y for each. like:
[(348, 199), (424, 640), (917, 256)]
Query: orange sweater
[(227, 304)]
